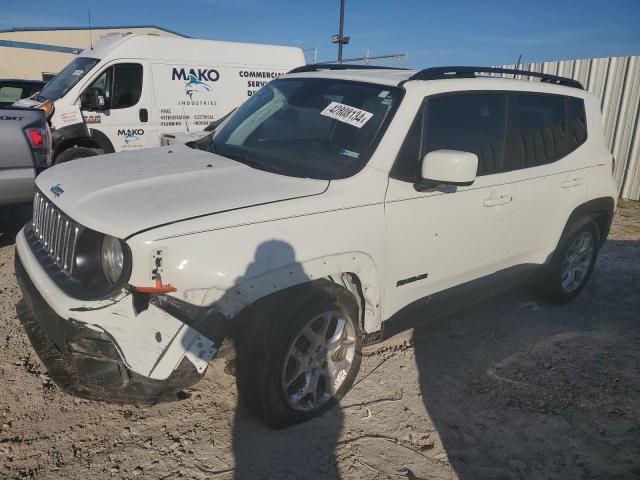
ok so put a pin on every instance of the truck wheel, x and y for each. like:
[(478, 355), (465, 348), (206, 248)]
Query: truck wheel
[(297, 359), (74, 153), (572, 263)]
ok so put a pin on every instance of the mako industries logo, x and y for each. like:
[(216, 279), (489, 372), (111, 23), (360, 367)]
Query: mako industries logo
[(196, 79), (130, 134)]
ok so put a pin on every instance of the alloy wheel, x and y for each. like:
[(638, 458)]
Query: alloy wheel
[(577, 262), (318, 360)]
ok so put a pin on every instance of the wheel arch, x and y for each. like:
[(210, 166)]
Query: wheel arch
[(90, 138), (354, 271), (600, 210)]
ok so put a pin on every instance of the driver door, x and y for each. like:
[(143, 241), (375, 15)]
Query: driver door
[(124, 118), (448, 236)]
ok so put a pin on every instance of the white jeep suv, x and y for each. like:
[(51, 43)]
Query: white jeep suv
[(328, 202)]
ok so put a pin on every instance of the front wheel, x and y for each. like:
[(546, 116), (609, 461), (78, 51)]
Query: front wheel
[(74, 153), (572, 264), (297, 359)]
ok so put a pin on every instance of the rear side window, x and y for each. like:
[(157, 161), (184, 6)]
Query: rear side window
[(576, 123), (506, 130), (542, 129)]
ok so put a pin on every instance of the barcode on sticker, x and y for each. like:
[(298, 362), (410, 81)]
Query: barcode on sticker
[(345, 113)]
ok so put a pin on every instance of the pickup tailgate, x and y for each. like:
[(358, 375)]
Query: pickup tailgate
[(17, 168)]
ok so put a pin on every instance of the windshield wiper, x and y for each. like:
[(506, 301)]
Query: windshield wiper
[(244, 158)]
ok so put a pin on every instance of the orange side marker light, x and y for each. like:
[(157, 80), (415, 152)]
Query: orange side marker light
[(159, 288)]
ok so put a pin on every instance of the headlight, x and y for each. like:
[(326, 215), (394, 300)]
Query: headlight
[(111, 258)]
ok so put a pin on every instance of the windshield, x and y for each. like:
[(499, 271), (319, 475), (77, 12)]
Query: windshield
[(59, 85), (308, 127)]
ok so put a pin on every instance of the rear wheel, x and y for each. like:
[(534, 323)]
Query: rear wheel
[(74, 153), (299, 357), (572, 264)]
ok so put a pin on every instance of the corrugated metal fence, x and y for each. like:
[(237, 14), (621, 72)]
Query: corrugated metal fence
[(616, 80)]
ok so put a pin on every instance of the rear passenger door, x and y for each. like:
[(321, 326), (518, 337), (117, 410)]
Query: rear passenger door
[(446, 237), (544, 135)]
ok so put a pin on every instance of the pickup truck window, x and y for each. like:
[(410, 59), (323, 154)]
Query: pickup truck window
[(67, 78), (10, 94), (309, 127)]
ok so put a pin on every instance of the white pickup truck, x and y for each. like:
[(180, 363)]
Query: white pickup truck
[(327, 203)]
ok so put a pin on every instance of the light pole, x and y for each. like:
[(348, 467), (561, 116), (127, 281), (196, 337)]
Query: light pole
[(340, 39)]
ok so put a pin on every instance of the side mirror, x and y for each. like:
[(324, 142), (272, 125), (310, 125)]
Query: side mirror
[(93, 100), (448, 167)]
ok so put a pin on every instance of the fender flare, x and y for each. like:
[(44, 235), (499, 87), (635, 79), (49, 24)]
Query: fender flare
[(599, 209), (355, 271), (80, 133), (102, 140)]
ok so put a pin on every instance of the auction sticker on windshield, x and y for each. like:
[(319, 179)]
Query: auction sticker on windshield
[(345, 113)]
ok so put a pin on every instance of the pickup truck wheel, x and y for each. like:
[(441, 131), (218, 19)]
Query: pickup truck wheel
[(74, 153), (298, 359), (572, 264)]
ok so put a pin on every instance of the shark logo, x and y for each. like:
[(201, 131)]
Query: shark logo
[(195, 85), (130, 137), (196, 79)]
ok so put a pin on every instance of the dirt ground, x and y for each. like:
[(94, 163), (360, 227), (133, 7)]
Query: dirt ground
[(510, 388)]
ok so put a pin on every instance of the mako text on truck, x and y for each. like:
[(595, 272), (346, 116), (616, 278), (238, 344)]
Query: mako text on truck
[(128, 90), (327, 203)]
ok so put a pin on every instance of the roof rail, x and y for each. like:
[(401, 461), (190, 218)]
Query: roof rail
[(440, 73), (314, 67)]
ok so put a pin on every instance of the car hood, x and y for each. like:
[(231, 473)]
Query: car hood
[(125, 193)]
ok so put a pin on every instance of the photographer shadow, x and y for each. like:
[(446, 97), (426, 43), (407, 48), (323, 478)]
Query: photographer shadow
[(264, 453)]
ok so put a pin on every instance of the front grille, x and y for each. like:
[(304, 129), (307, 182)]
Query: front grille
[(54, 232)]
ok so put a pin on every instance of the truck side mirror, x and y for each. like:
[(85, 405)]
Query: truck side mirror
[(447, 167), (93, 100)]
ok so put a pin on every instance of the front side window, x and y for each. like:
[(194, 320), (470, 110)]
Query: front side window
[(127, 85), (120, 85), (102, 85), (466, 121), (67, 78), (309, 127)]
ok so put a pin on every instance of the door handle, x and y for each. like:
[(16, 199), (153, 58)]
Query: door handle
[(495, 201), (574, 182), (144, 115)]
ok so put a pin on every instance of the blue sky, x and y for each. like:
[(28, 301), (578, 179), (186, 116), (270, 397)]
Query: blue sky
[(439, 32)]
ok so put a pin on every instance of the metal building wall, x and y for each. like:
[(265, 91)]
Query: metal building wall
[(616, 80)]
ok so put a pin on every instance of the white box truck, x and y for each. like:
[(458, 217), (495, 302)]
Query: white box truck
[(129, 90)]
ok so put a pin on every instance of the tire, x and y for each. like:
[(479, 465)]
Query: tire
[(273, 338), (572, 263), (74, 153)]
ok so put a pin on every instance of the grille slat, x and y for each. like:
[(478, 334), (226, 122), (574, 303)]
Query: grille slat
[(54, 232)]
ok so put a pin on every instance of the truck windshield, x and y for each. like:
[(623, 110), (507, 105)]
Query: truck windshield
[(309, 127), (59, 85)]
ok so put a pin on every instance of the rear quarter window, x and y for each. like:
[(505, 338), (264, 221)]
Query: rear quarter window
[(542, 129)]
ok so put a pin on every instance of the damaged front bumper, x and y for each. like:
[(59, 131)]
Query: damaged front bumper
[(107, 350)]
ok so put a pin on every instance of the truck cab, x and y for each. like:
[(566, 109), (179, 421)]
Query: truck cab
[(128, 90)]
